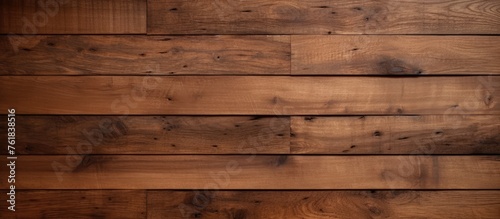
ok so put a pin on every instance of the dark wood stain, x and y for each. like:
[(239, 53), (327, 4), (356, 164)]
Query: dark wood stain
[(392, 66)]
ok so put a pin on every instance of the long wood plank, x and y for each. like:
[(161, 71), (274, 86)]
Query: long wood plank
[(252, 134), (249, 95), (323, 204), (323, 17), (77, 204), (29, 17), (255, 172), (150, 135), (395, 55), (144, 55), (448, 134)]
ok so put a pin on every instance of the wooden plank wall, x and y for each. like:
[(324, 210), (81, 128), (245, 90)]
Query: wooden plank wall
[(252, 109)]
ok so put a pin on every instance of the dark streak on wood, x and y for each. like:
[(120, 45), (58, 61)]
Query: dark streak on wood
[(392, 66)]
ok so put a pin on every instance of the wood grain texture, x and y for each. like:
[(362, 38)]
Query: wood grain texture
[(28, 17), (144, 55), (323, 204), (77, 204), (264, 135), (150, 135), (255, 172), (395, 55), (250, 95), (396, 135), (323, 17)]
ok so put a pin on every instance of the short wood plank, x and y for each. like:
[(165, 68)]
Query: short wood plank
[(255, 172), (144, 55), (323, 204), (77, 204), (433, 134), (150, 135), (249, 95), (395, 55), (30, 17), (323, 17)]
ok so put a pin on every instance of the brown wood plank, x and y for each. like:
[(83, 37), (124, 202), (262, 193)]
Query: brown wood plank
[(243, 134), (150, 135), (28, 17), (77, 204), (323, 204), (395, 55), (249, 95), (143, 55), (396, 135), (323, 17), (255, 172)]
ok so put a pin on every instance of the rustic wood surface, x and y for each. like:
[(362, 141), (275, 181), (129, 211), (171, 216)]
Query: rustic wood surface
[(151, 135), (323, 17), (252, 109), (145, 55), (31, 17), (433, 134), (395, 55), (323, 204), (250, 95), (255, 204), (78, 204), (436, 134), (255, 172)]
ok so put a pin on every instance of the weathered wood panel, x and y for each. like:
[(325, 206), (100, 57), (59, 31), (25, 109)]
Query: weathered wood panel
[(150, 135), (461, 134), (249, 95), (144, 55), (99, 111), (323, 17), (77, 204), (28, 17), (255, 172), (395, 55), (466, 134), (323, 204)]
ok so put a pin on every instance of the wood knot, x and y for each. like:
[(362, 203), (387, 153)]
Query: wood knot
[(309, 118), (391, 66)]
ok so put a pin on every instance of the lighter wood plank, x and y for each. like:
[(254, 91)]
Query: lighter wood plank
[(143, 55), (150, 135), (78, 204), (225, 95), (323, 17), (396, 135), (324, 204), (395, 55), (29, 17), (255, 172)]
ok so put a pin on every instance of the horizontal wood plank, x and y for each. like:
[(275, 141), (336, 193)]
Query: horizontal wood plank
[(30, 17), (249, 95), (77, 204), (150, 135), (395, 55), (323, 17), (323, 204), (460, 134), (448, 134), (255, 172), (144, 55)]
